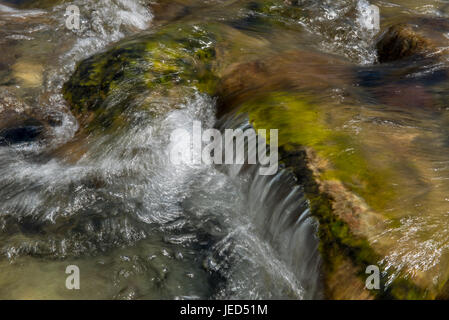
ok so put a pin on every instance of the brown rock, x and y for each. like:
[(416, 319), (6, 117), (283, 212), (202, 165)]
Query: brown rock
[(292, 70), (401, 41)]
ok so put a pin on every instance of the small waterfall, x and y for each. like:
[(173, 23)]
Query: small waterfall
[(280, 214), (157, 230)]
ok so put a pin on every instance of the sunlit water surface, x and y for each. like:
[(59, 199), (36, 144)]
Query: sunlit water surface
[(139, 226)]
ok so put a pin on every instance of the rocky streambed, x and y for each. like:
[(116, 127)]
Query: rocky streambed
[(86, 118)]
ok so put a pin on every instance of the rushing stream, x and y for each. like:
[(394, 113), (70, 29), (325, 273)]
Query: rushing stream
[(135, 224), (141, 227)]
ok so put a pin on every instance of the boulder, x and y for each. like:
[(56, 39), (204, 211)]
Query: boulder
[(401, 41), (345, 189), (151, 73), (420, 37)]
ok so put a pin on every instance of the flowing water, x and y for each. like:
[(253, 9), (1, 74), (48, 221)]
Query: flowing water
[(140, 227), (135, 224)]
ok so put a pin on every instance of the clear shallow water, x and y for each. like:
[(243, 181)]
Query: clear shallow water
[(141, 227), (137, 226)]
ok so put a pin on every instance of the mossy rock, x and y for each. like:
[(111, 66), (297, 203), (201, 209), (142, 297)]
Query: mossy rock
[(154, 73), (301, 122), (168, 65), (342, 192)]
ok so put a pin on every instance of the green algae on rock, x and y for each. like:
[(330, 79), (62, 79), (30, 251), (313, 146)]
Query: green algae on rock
[(343, 189), (301, 123), (155, 72), (343, 234), (160, 67)]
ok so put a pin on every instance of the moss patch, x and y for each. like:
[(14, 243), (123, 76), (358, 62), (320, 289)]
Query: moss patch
[(340, 248), (302, 123), (175, 61)]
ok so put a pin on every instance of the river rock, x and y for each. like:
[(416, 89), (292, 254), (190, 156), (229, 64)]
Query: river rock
[(403, 41), (18, 121), (153, 73), (346, 189), (292, 70), (400, 41), (147, 73)]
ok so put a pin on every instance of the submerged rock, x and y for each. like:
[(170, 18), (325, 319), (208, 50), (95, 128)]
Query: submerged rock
[(153, 73), (19, 122), (348, 190), (28, 73), (292, 70)]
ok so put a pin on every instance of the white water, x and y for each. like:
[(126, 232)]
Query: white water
[(157, 229)]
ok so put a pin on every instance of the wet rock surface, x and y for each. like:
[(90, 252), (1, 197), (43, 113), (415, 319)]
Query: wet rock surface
[(19, 123), (294, 70), (400, 42), (367, 142), (417, 38), (154, 71), (347, 221)]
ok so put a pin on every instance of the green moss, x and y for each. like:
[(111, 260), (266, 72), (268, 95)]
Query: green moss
[(337, 242), (105, 85), (302, 123)]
